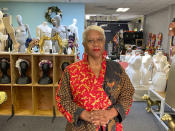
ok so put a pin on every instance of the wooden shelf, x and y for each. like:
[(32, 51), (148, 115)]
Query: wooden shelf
[(32, 99)]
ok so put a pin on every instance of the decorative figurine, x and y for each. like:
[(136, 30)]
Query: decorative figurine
[(150, 103), (171, 122)]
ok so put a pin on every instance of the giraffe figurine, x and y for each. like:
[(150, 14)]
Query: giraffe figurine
[(60, 42), (150, 102), (41, 43), (171, 122)]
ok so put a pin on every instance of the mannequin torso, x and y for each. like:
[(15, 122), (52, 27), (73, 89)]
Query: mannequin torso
[(44, 30)]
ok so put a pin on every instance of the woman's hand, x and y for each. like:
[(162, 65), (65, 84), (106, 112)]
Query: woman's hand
[(86, 116), (102, 117)]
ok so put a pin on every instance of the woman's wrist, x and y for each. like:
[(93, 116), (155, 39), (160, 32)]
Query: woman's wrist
[(113, 113)]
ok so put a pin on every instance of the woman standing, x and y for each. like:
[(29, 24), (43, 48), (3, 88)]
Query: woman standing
[(94, 94)]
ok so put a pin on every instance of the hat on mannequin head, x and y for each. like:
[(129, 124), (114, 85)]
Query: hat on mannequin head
[(18, 64)]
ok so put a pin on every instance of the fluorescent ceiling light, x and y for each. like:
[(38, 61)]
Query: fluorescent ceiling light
[(89, 15), (122, 9)]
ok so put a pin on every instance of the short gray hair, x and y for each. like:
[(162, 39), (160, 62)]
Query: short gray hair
[(93, 27)]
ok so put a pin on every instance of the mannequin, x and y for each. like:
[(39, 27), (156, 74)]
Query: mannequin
[(63, 66), (73, 34), (22, 32), (4, 66), (45, 66), (133, 70), (161, 69), (44, 30), (3, 37), (61, 30), (145, 72), (22, 66)]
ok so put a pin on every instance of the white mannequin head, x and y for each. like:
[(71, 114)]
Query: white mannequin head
[(44, 23), (74, 21), (1, 14), (19, 19), (57, 19)]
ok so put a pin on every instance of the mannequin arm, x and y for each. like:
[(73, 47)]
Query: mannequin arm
[(28, 31)]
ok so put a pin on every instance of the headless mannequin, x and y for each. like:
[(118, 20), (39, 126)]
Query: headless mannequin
[(23, 79), (145, 72), (3, 37), (45, 79), (133, 70), (5, 79), (161, 68), (22, 32), (44, 30)]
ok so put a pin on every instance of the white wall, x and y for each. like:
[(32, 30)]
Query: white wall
[(158, 22)]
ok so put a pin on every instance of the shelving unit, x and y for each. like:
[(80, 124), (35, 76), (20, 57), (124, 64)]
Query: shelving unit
[(160, 96), (32, 99)]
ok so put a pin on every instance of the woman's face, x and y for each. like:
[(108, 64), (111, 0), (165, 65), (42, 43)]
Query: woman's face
[(94, 45)]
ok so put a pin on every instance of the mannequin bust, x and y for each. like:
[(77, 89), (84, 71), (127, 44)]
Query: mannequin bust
[(45, 79), (133, 70), (61, 30), (64, 65), (23, 79), (22, 32), (145, 72), (44, 30), (4, 66), (161, 69), (3, 37)]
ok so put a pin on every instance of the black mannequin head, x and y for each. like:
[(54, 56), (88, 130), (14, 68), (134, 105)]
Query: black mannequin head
[(24, 67), (4, 66), (45, 65), (64, 65)]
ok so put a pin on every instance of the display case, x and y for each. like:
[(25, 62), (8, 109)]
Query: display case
[(32, 99)]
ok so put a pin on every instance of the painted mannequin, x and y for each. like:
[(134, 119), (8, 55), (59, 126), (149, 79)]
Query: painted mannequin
[(44, 30), (61, 30), (22, 32), (133, 69), (161, 69), (145, 72), (3, 37)]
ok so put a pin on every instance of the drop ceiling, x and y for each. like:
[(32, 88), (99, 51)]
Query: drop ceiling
[(108, 7)]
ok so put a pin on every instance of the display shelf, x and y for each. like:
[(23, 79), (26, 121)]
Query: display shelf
[(32, 99), (22, 100), (43, 100), (43, 85), (22, 85), (5, 108), (160, 96), (5, 85)]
